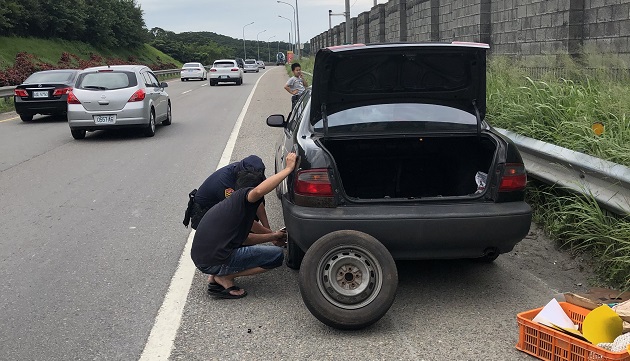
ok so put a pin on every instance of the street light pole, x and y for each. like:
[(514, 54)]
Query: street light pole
[(244, 49), (289, 20), (297, 26), (347, 22), (258, 43), (294, 12), (269, 48), (330, 15)]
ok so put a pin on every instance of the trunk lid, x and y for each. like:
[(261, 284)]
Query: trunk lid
[(444, 74)]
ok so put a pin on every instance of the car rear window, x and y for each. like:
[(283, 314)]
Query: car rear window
[(250, 61), (192, 65), (109, 80), (402, 116), (50, 77), (224, 64)]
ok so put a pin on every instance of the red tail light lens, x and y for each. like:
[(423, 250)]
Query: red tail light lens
[(138, 96), (314, 183), (61, 91), (514, 178), (213, 69), (234, 69), (72, 99), (21, 93)]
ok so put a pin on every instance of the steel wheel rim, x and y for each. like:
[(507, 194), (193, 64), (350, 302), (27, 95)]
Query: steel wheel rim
[(349, 277)]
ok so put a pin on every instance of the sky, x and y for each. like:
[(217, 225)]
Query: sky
[(229, 17)]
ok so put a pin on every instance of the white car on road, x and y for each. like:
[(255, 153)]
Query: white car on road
[(193, 71), (251, 65), (226, 70)]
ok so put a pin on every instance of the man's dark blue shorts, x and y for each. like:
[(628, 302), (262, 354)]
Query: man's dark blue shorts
[(244, 258)]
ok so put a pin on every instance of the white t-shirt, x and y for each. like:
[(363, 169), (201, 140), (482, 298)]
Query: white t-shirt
[(296, 83)]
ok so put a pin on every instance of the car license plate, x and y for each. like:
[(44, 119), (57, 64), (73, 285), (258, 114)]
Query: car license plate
[(223, 77), (104, 119), (190, 70), (40, 94)]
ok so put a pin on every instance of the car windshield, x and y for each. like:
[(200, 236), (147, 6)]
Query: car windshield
[(399, 117), (107, 80), (192, 65), (250, 61), (50, 77), (224, 64)]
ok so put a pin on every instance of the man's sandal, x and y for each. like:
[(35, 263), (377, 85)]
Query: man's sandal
[(225, 293), (214, 287)]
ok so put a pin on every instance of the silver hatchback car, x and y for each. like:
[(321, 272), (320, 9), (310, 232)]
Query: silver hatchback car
[(117, 96)]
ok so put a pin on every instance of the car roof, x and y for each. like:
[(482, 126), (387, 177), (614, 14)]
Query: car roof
[(56, 71), (119, 67), (340, 48)]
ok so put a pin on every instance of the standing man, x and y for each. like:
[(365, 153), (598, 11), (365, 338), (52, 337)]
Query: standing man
[(217, 248), (296, 84), (220, 185)]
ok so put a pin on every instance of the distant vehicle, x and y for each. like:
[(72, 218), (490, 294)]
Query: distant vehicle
[(193, 71), (280, 59), (118, 96), (226, 70), (240, 62), (44, 92), (251, 65), (261, 64)]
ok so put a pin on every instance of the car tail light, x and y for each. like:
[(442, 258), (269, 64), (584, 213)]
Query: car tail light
[(21, 93), (234, 69), (314, 183), (514, 178), (72, 99), (61, 91), (213, 69), (138, 96)]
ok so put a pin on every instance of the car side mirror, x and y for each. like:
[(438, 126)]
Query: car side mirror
[(164, 85), (276, 120)]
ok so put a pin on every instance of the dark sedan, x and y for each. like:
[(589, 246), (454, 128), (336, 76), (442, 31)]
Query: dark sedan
[(396, 162), (44, 92)]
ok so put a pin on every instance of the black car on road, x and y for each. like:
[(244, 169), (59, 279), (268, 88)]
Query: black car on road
[(44, 92), (396, 161)]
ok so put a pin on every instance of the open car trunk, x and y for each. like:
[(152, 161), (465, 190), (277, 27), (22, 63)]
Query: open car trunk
[(411, 167)]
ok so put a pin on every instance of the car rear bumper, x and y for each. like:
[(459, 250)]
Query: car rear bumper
[(193, 75), (132, 115), (251, 69), (428, 231), (230, 77), (54, 106)]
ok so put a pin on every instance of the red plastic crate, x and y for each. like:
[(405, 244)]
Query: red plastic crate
[(548, 344)]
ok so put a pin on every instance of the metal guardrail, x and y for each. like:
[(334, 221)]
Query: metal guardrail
[(6, 91), (608, 182)]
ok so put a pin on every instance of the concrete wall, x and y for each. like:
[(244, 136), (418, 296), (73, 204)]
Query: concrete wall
[(524, 28)]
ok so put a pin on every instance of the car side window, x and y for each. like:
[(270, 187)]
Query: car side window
[(297, 112), (154, 80), (147, 80)]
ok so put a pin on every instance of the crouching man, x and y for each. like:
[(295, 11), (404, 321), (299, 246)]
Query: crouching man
[(224, 248)]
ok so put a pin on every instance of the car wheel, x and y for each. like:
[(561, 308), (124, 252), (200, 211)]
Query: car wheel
[(169, 115), (489, 256), (149, 131), (78, 133), (182, 79), (26, 117), (348, 280), (211, 83), (295, 255)]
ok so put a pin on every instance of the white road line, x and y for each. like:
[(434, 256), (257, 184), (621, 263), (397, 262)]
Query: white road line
[(187, 91), (160, 342), (206, 84)]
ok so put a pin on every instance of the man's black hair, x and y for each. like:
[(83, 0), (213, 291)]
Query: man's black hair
[(249, 178), (295, 65)]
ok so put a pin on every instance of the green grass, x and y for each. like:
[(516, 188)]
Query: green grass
[(6, 105), (50, 50)]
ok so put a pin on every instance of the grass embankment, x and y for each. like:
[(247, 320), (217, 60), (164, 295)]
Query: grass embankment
[(50, 50), (307, 66), (563, 112)]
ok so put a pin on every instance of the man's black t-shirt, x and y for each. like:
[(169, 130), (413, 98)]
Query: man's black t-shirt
[(223, 228), (220, 184)]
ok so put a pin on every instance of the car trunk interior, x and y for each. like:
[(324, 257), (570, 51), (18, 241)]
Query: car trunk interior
[(411, 167)]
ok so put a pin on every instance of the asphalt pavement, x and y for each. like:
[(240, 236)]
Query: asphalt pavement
[(91, 236), (91, 230)]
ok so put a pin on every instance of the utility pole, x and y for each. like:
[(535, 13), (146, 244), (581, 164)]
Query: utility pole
[(348, 21), (297, 26)]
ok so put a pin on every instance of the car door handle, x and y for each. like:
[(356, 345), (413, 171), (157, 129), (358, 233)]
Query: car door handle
[(103, 102)]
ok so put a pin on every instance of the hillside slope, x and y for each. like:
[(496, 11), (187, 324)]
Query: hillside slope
[(50, 50)]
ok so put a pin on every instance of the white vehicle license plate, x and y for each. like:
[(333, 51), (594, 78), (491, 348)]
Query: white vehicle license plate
[(40, 94), (104, 119), (190, 70), (223, 77)]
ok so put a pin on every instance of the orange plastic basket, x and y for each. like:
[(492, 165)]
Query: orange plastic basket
[(548, 344)]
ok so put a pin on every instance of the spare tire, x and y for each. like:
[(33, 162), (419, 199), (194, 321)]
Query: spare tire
[(348, 280)]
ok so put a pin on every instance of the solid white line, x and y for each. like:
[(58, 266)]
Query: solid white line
[(206, 84), (187, 91), (160, 342)]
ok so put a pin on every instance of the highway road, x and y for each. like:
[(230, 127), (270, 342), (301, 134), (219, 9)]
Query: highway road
[(91, 237)]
